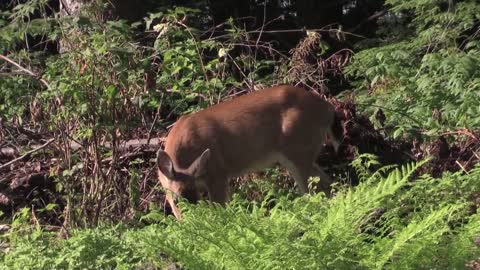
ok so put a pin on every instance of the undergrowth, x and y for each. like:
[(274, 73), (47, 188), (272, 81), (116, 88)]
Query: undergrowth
[(424, 75), (387, 222)]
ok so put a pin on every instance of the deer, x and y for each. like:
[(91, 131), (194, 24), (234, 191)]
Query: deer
[(283, 125)]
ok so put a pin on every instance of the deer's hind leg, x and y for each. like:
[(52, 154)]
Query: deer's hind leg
[(302, 165)]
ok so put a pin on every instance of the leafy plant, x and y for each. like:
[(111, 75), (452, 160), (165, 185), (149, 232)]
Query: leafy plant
[(387, 222), (102, 85), (426, 77)]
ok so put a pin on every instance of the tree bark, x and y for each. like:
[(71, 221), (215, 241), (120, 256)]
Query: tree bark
[(131, 10)]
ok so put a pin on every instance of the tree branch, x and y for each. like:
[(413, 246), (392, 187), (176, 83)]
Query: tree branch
[(26, 154), (27, 71)]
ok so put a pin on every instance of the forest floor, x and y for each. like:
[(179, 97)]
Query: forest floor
[(30, 158)]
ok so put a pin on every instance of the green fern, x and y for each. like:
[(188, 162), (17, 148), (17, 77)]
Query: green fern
[(384, 223), (431, 65)]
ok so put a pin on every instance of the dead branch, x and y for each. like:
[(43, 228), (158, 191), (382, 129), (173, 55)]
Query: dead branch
[(26, 71), (464, 131), (27, 154), (124, 146)]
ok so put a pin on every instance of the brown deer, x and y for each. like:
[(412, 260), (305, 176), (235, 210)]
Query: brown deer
[(283, 124)]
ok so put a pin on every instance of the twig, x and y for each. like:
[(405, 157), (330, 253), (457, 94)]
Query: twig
[(236, 94), (27, 153), (240, 69), (300, 30), (476, 155), (195, 42), (463, 131), (461, 166), (199, 53), (261, 29), (259, 46), (154, 120), (28, 72)]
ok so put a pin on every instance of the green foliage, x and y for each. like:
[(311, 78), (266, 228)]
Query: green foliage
[(102, 69), (426, 77), (424, 74), (387, 222), (185, 70), (104, 83), (20, 24), (17, 92), (99, 248), (196, 72)]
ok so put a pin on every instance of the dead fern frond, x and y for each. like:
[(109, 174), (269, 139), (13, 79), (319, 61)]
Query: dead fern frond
[(309, 66)]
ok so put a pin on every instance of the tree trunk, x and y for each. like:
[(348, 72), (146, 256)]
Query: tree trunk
[(131, 10)]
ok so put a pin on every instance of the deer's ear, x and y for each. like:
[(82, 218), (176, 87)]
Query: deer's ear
[(165, 164), (199, 166)]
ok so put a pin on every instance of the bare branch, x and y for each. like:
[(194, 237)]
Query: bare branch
[(26, 154), (27, 71)]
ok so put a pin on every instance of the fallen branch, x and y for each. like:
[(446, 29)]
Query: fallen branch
[(464, 131), (27, 154), (26, 71), (476, 155), (125, 146), (137, 152), (461, 166)]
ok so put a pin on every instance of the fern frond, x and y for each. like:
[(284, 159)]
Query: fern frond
[(415, 237), (363, 163)]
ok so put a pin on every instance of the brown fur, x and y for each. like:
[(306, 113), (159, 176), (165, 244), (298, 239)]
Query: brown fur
[(282, 124)]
